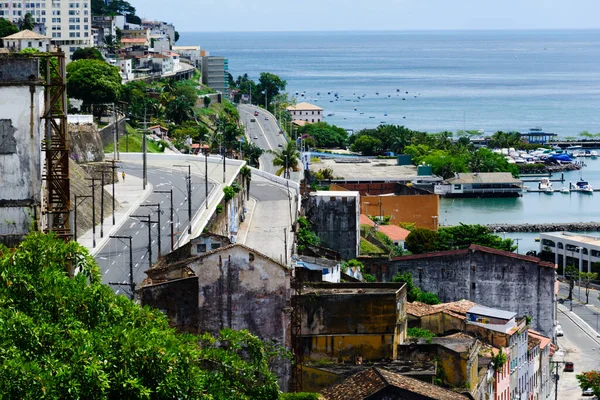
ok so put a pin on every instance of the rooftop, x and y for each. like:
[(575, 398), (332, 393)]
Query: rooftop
[(404, 367), (532, 342), (544, 340), (366, 169), (366, 383), (304, 106), (492, 312), (483, 177), (364, 220), (326, 288), (394, 232), (576, 237), (134, 40), (475, 247), (197, 48), (341, 193), (25, 35), (457, 308)]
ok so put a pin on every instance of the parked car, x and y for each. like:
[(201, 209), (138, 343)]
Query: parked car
[(559, 331), (569, 367), (588, 392)]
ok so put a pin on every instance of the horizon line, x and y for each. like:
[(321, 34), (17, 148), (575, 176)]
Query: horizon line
[(404, 30)]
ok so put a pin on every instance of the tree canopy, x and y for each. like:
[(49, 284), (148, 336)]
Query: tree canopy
[(325, 135), (7, 28), (87, 53), (590, 380), (93, 82), (72, 337), (287, 159), (269, 84)]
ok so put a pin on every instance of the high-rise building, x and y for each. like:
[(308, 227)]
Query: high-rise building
[(67, 23), (215, 74)]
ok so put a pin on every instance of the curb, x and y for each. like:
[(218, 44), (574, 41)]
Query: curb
[(584, 326), (121, 222), (250, 219)]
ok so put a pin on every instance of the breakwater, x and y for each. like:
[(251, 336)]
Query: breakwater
[(546, 227)]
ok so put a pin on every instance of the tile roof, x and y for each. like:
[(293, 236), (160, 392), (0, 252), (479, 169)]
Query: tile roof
[(532, 342), (394, 232), (304, 106), (366, 383), (26, 34), (544, 340), (134, 40), (364, 220), (456, 308), (483, 177), (476, 247)]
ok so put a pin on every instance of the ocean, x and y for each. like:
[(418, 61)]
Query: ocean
[(474, 80)]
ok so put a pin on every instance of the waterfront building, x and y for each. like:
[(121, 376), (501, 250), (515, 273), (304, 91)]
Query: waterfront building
[(306, 112), (566, 248), (215, 74), (481, 184), (538, 136), (189, 53), (26, 39), (67, 23)]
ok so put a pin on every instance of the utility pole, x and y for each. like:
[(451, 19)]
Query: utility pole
[(517, 240), (285, 245), (93, 211), (75, 214), (115, 130), (158, 221), (189, 190), (206, 177), (102, 205), (131, 283), (113, 167), (170, 192), (145, 151), (149, 222)]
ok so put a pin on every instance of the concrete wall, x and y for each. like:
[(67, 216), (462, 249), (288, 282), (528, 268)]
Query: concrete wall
[(336, 220), (85, 144), (422, 210), (500, 281), (21, 127)]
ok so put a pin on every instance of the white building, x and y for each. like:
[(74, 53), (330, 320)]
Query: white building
[(126, 67), (190, 53), (571, 249), (26, 39), (67, 23), (306, 112), (162, 63)]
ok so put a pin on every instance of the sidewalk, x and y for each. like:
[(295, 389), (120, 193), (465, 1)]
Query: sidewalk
[(130, 195), (584, 326)]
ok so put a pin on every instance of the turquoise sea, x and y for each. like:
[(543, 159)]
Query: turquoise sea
[(490, 80)]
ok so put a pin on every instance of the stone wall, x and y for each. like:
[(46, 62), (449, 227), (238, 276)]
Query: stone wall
[(492, 278), (85, 144)]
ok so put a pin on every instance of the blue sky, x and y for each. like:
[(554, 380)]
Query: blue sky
[(324, 15)]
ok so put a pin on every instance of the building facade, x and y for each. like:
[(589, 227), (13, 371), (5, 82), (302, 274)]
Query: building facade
[(67, 23), (306, 112), (215, 74), (27, 39), (566, 248), (190, 53)]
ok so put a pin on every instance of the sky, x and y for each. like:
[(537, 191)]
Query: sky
[(357, 15)]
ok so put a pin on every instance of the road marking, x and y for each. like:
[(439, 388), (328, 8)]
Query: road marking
[(143, 257), (113, 263), (137, 232), (136, 264), (106, 272), (132, 225), (102, 258), (181, 204), (119, 255), (162, 201), (154, 241), (163, 228)]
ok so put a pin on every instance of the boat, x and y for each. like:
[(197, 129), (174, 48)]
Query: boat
[(584, 186), (594, 154), (565, 190), (575, 147), (545, 186), (330, 114), (385, 114)]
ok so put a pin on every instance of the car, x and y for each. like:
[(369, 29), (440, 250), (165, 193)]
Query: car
[(255, 137), (266, 118), (252, 119), (281, 132), (569, 367), (279, 145), (588, 392), (256, 113), (559, 331)]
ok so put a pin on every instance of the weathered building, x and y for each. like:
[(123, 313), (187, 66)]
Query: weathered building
[(21, 108), (231, 286), (486, 276), (336, 220)]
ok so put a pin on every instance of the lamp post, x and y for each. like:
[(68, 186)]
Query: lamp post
[(435, 226), (265, 92), (579, 249)]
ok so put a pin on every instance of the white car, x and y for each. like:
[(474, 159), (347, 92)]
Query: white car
[(255, 137), (558, 330)]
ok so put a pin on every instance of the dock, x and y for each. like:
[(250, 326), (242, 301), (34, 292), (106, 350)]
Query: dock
[(558, 191)]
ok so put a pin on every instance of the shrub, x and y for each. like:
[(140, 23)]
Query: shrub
[(428, 298), (229, 193), (419, 332)]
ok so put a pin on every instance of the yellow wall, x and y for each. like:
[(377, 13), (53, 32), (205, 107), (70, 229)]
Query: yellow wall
[(346, 347), (315, 379), (419, 210), (440, 323)]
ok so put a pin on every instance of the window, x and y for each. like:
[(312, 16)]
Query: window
[(201, 248), (214, 246), (473, 285)]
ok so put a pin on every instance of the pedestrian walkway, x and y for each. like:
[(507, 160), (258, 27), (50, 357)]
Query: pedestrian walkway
[(129, 193), (244, 226)]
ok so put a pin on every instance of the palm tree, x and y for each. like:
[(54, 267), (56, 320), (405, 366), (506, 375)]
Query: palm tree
[(287, 159), (27, 22)]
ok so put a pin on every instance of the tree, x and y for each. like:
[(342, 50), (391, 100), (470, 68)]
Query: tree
[(287, 159), (421, 240), (412, 292), (252, 153), (176, 36), (572, 275), (206, 101), (120, 7), (87, 53), (463, 235), (180, 109), (7, 28), (269, 84), (587, 278), (93, 81), (73, 337), (98, 7), (366, 145), (27, 22), (590, 380), (428, 298), (325, 135)]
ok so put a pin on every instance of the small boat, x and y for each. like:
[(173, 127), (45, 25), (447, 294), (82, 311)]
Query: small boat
[(371, 117), (584, 186), (545, 186), (330, 114), (385, 114), (575, 147), (565, 190)]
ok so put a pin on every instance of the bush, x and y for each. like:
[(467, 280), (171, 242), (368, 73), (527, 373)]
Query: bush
[(229, 193), (418, 332), (421, 240), (219, 209), (428, 298), (299, 396)]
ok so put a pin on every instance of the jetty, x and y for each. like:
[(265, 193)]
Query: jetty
[(546, 227)]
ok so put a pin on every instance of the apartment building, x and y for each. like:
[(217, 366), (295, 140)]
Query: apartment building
[(214, 74), (67, 23)]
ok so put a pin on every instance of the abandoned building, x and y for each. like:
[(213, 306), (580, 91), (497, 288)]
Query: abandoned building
[(490, 277)]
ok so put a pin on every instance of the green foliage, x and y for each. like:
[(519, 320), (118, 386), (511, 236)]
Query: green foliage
[(299, 396), (353, 264), (87, 53), (412, 292), (7, 28), (219, 208), (419, 333), (93, 81), (528, 319), (428, 298), (499, 359), (324, 174), (369, 278), (367, 248), (366, 145), (206, 101), (229, 193), (27, 22), (325, 135), (135, 144), (236, 187), (72, 337), (505, 140), (409, 226), (287, 159), (421, 240), (463, 235), (176, 36), (269, 83), (306, 237), (590, 380)]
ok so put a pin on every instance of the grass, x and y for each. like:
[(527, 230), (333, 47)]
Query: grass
[(135, 144), (367, 247)]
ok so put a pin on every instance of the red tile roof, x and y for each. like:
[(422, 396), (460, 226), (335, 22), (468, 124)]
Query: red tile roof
[(457, 309), (394, 232), (134, 40), (544, 340), (366, 383), (364, 220), (476, 247)]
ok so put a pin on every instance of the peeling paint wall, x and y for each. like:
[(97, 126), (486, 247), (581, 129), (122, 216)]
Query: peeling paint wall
[(21, 105)]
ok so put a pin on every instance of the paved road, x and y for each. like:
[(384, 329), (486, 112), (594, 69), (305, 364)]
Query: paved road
[(113, 259), (590, 313), (264, 132), (578, 347)]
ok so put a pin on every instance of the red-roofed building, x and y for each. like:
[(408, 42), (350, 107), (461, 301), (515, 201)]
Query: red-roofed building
[(395, 233), (364, 220)]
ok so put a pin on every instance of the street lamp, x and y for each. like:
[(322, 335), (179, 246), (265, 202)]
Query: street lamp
[(579, 249), (265, 92)]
